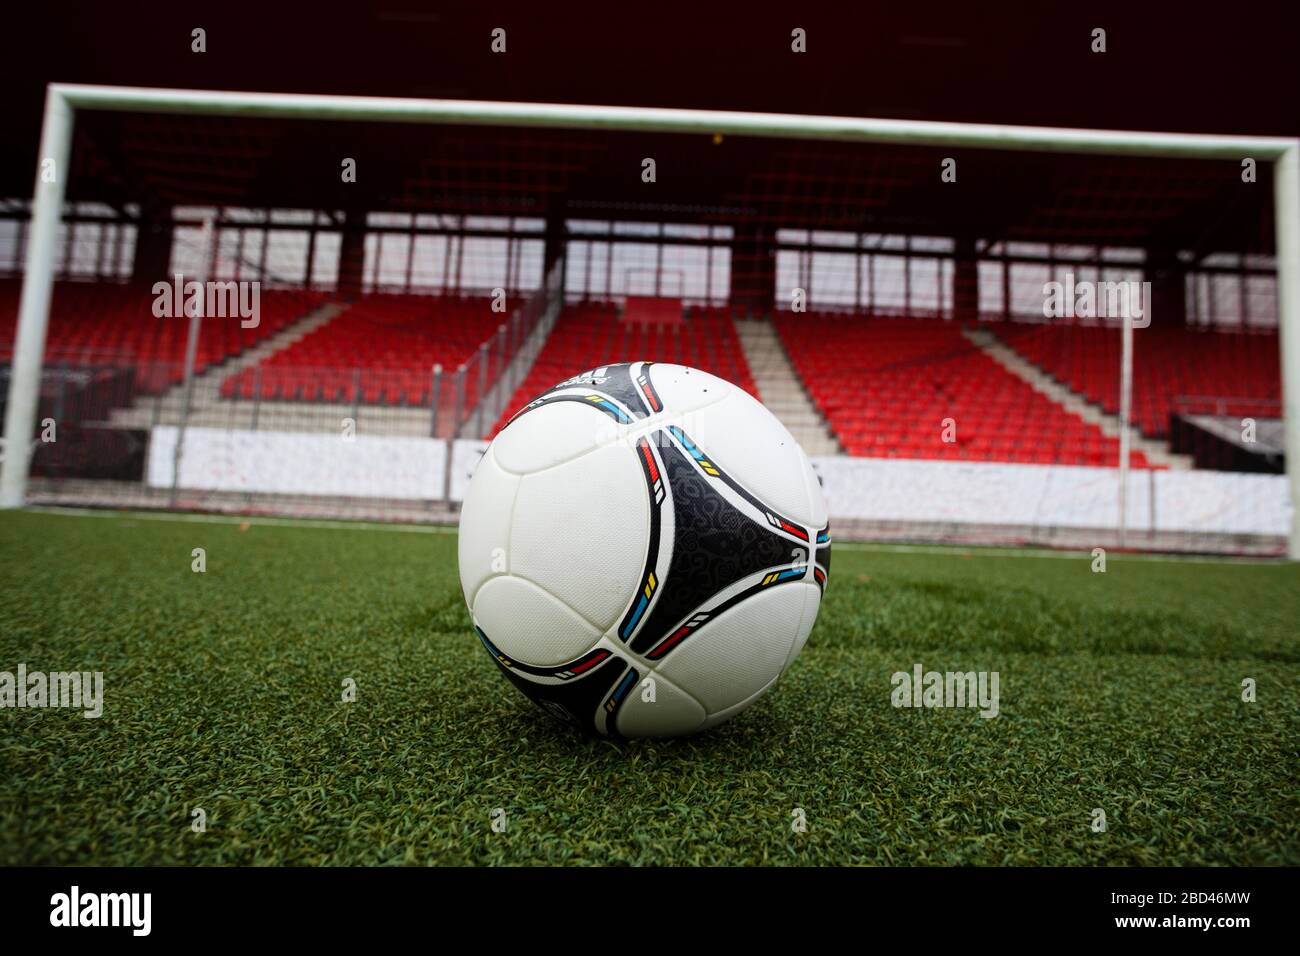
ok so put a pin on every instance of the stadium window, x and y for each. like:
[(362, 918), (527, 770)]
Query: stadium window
[(325, 261), (889, 278), (394, 271), (598, 266), (1073, 253), (453, 263), (286, 256), (187, 255), (636, 228), (126, 236), (85, 248), (228, 252), (103, 255), (427, 262), (487, 222), (1029, 250), (991, 301), (863, 292), (719, 274), (484, 264), (674, 230), (292, 217), (1194, 310), (832, 279), (395, 220), (194, 215), (1123, 254), (385, 262), (1082, 273), (576, 269), (1026, 280), (696, 271), (528, 265), (824, 238), (923, 286), (1261, 291), (787, 277), (1261, 301), (933, 244), (370, 261), (946, 277), (9, 242), (1225, 294), (251, 264), (633, 268)]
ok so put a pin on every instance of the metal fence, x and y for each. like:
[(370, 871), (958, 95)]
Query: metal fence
[(253, 433)]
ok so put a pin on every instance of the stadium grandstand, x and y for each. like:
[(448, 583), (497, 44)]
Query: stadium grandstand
[(414, 281)]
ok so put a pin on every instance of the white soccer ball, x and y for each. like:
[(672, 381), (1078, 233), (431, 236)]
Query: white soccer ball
[(643, 549)]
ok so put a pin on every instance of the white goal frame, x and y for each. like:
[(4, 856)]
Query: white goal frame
[(62, 102)]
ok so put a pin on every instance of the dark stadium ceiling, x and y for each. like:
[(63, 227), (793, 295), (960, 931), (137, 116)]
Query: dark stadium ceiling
[(1165, 69), (164, 161)]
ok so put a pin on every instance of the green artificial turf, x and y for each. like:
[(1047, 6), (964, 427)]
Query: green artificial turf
[(1119, 691)]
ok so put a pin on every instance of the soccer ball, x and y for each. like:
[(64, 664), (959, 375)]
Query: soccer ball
[(643, 549)]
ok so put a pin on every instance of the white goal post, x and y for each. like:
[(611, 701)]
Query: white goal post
[(64, 100)]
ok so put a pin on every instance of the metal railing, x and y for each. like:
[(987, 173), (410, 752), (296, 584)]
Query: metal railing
[(484, 384), (1227, 405), (252, 433)]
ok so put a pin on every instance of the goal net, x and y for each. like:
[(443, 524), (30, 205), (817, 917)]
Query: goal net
[(327, 305)]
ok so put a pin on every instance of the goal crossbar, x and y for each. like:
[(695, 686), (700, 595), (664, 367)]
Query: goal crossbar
[(63, 100), (652, 119)]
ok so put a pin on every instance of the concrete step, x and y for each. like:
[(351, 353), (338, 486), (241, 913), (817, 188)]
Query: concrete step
[(780, 389), (165, 409), (1157, 452)]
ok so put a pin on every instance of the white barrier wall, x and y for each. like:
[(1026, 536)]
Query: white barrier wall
[(464, 459), (299, 463), (947, 492), (866, 489)]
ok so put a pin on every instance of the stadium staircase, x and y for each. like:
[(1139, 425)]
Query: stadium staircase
[(1156, 451), (368, 360), (383, 345), (114, 325), (165, 409), (917, 388), (780, 389), (1175, 369)]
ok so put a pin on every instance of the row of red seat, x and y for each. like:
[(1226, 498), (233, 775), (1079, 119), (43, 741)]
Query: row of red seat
[(379, 350), (889, 387), (1227, 373), (917, 388), (114, 324), (369, 386), (589, 335)]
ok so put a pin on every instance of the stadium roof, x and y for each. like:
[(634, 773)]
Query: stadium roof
[(1034, 68), (164, 160)]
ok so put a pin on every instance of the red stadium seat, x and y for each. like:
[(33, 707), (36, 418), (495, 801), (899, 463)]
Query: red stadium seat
[(886, 386), (1174, 368), (392, 342), (106, 323), (592, 334)]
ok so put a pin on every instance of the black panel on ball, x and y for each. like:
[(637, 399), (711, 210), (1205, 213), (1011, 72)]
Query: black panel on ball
[(575, 701), (714, 545)]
